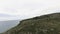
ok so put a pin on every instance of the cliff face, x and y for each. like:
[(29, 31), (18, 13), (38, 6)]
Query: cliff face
[(45, 24)]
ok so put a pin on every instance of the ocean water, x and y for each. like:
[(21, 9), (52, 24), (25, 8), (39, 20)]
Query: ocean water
[(6, 25)]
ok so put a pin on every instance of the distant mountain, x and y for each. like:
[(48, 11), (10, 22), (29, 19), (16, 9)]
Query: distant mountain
[(45, 24), (5, 25)]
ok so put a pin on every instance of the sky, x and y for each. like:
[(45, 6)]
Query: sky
[(24, 9), (21, 9)]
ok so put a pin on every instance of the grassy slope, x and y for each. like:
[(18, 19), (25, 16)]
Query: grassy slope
[(46, 24)]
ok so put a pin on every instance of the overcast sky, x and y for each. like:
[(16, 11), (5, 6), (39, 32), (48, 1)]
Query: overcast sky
[(23, 9), (27, 8)]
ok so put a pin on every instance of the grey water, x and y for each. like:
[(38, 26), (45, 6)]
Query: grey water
[(6, 25)]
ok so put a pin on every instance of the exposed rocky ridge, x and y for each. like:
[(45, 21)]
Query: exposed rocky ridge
[(45, 24)]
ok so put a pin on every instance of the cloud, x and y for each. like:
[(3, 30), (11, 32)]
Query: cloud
[(4, 17), (25, 13), (28, 8)]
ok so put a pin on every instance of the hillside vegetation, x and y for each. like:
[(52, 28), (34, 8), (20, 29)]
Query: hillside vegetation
[(45, 24)]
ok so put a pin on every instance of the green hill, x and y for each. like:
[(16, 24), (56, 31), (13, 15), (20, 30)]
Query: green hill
[(45, 24)]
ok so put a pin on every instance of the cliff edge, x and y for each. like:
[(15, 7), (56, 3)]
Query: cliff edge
[(45, 24)]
